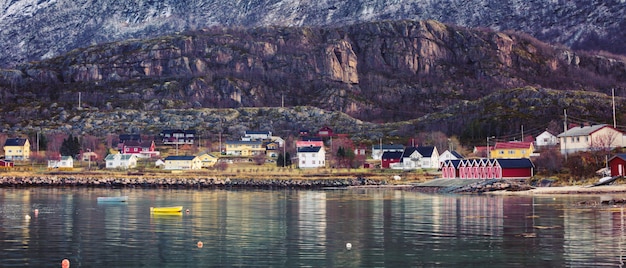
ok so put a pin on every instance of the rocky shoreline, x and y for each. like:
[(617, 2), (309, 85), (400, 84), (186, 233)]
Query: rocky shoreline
[(181, 183)]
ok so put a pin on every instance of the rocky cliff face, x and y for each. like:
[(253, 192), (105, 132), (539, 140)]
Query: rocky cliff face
[(41, 29), (386, 71)]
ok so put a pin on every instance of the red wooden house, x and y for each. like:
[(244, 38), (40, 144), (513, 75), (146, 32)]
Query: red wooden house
[(325, 132), (140, 149), (5, 163), (389, 158), (617, 164)]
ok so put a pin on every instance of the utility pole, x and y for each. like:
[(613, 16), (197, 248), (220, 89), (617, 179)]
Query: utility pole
[(565, 131), (613, 97), (79, 96)]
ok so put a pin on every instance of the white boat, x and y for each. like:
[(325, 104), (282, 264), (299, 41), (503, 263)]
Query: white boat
[(123, 198)]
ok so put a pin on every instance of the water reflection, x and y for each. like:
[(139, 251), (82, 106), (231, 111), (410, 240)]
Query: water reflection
[(387, 228)]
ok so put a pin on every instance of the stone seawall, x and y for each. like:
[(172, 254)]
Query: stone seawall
[(179, 183)]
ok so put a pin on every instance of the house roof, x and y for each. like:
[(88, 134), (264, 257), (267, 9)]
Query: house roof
[(258, 132), (582, 130), (515, 163), (134, 143), (15, 142), (454, 162), (122, 157), (512, 145), (245, 142), (310, 149), (389, 147), (456, 154), (172, 131), (310, 139), (180, 158), (392, 155), (424, 151), (621, 156)]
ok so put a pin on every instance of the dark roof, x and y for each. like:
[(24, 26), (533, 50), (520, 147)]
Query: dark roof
[(248, 132), (311, 139), (456, 154), (389, 147), (172, 131), (310, 149), (454, 162), (392, 155), (515, 163), (15, 142), (425, 151), (622, 156), (180, 157), (134, 143)]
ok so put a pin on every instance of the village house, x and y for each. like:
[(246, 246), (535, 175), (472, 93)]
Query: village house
[(178, 136), (325, 131), (309, 141), (16, 149), (482, 168), (271, 149), (546, 139), (418, 157), (449, 155), (617, 163), (244, 148), (207, 160), (256, 135), (514, 149), (378, 150), (311, 157), (121, 161), (389, 158), (184, 162), (66, 162), (592, 137), (145, 149)]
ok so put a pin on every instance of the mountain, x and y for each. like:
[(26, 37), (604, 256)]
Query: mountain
[(42, 29), (378, 72)]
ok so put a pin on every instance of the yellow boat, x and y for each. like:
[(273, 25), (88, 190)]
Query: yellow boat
[(178, 209)]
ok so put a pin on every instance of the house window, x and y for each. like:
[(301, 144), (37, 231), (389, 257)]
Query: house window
[(303, 162), (586, 138), (524, 152), (501, 152), (511, 152)]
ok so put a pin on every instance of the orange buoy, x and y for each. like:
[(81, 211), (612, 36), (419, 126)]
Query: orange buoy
[(65, 263), (200, 244)]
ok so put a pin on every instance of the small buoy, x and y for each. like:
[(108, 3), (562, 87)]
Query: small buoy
[(200, 244), (27, 217), (65, 263), (348, 246), (36, 212), (187, 211)]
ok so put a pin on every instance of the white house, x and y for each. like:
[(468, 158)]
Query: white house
[(378, 150), (593, 137), (418, 157), (123, 161), (311, 157), (182, 162), (546, 139), (64, 162), (448, 155), (256, 135)]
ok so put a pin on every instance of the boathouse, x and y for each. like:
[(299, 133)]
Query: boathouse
[(617, 164), (482, 168)]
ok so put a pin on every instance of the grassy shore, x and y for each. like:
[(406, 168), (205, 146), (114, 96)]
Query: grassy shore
[(239, 171)]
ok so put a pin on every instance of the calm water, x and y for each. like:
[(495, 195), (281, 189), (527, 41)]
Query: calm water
[(387, 228)]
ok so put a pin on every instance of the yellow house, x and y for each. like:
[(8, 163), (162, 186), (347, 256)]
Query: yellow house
[(512, 150), (182, 162), (17, 149), (245, 148), (207, 159)]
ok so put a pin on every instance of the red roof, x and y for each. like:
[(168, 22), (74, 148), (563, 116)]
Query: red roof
[(512, 145)]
